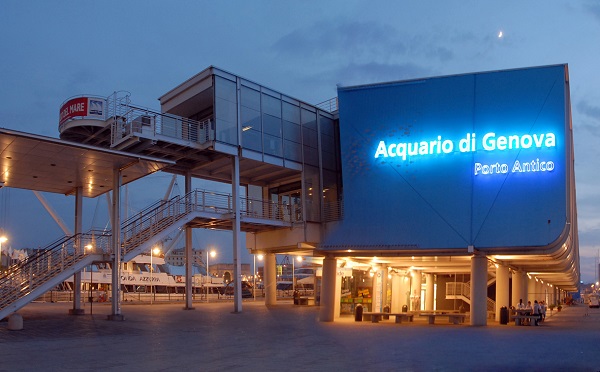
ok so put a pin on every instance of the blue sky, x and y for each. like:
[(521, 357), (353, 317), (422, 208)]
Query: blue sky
[(50, 51)]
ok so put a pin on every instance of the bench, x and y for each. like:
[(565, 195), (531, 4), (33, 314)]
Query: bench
[(452, 318), (306, 300), (375, 317), (519, 318)]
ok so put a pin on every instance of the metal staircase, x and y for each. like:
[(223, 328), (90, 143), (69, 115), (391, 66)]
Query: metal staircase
[(462, 291), (29, 279)]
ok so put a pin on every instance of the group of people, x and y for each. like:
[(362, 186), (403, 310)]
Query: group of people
[(538, 308)]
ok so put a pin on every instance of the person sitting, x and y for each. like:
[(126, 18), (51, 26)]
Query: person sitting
[(529, 309), (537, 311), (520, 305)]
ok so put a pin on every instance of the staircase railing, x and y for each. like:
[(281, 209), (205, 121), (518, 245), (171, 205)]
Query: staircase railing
[(36, 270), (161, 215), (464, 290), (66, 253)]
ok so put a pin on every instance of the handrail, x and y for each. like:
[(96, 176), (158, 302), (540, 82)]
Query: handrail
[(129, 120), (24, 277)]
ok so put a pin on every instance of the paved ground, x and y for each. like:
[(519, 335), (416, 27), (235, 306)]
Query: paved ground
[(287, 337)]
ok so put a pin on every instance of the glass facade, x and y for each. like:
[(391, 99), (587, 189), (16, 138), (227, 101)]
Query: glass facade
[(283, 128)]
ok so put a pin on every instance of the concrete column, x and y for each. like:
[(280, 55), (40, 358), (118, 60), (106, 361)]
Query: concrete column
[(502, 289), (415, 291), (328, 290), (517, 288), (270, 272), (378, 290), (429, 292), (237, 239), (116, 248), (530, 290), (189, 259), (77, 310), (396, 305), (479, 290)]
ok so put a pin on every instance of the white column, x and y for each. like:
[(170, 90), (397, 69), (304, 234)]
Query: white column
[(429, 292), (502, 289), (397, 294), (189, 256), (530, 290), (479, 290), (517, 288), (237, 258), (415, 291), (116, 247), (77, 310), (378, 290), (270, 279), (328, 290)]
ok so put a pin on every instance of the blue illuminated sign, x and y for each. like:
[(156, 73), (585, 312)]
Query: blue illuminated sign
[(468, 160)]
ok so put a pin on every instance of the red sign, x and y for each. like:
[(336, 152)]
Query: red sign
[(72, 108)]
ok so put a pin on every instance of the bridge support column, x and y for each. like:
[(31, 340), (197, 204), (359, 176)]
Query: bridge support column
[(237, 264), (270, 273), (429, 292), (77, 310), (502, 289), (116, 248), (189, 275), (479, 290)]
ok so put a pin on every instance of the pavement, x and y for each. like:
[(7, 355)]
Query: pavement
[(286, 337)]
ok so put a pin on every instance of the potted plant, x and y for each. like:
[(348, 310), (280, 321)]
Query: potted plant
[(551, 307), (559, 307)]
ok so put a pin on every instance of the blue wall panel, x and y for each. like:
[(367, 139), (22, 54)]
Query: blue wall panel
[(451, 194)]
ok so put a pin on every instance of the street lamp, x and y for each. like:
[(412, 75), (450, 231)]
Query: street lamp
[(154, 251), (260, 257), (2, 240), (212, 254)]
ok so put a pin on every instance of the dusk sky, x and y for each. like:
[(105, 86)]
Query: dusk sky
[(52, 50)]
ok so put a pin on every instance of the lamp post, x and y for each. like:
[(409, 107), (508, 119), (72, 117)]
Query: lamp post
[(2, 240), (260, 257), (154, 251), (212, 254)]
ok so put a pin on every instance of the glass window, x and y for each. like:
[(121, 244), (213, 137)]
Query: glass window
[(271, 105), (312, 193), (309, 119), (291, 112), (251, 139), (292, 131), (272, 125), (226, 121), (272, 145), (250, 98), (311, 156), (292, 151), (250, 119), (225, 89)]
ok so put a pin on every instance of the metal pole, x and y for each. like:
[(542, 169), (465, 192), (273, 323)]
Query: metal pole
[(254, 278), (207, 275), (151, 276)]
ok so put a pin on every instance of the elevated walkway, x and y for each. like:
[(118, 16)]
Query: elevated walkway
[(27, 280)]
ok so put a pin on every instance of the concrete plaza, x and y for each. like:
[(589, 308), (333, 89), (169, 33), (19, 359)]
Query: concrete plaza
[(290, 338)]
